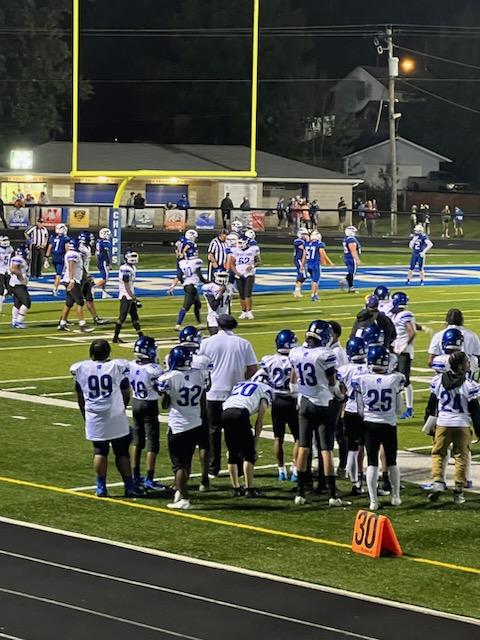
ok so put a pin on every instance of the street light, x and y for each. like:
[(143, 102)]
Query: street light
[(407, 65)]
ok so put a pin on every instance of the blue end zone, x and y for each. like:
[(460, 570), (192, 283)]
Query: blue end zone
[(280, 280)]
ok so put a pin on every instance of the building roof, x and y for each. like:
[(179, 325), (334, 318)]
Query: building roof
[(55, 158), (404, 141)]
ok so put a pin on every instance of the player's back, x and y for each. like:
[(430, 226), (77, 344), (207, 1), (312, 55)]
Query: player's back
[(279, 369), (377, 392), (310, 366), (143, 379), (248, 395), (100, 384), (185, 389), (349, 375)]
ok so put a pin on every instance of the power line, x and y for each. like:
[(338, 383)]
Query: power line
[(430, 55), (438, 97)]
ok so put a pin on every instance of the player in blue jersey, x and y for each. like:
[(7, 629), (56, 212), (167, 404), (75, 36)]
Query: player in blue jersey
[(103, 251), (419, 244), (56, 251), (299, 258), (351, 257), (315, 257)]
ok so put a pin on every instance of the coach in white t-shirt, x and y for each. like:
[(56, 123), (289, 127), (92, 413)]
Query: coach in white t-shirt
[(233, 360), (454, 319)]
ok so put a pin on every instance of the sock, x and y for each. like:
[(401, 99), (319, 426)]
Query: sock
[(297, 289), (2, 298), (150, 474), (409, 396), (81, 323), (181, 316), (372, 479), (293, 468), (129, 484), (14, 314), (301, 483), (62, 323), (386, 480), (332, 487), (352, 466), (101, 482), (136, 472), (196, 311), (283, 468), (118, 328), (394, 472)]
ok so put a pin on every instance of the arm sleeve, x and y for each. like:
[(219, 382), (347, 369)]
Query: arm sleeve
[(200, 275), (213, 302), (431, 408), (474, 410)]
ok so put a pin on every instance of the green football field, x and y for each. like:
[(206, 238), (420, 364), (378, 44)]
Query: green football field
[(46, 474)]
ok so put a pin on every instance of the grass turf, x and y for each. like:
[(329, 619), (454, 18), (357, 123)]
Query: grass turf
[(38, 450)]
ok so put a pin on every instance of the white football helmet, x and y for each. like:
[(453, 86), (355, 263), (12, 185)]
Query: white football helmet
[(105, 234), (351, 231), (231, 240), (250, 234), (4, 241), (418, 229), (237, 226), (316, 235), (220, 277), (131, 257), (61, 229), (191, 235), (242, 243), (302, 232)]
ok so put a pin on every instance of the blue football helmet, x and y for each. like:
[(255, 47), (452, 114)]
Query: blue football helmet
[(146, 348), (373, 335), (190, 337), (285, 340), (399, 300), (321, 331), (378, 357), (356, 349), (381, 292), (72, 244), (452, 340), (179, 358)]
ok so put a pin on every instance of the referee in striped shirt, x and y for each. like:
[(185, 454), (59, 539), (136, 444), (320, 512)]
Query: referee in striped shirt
[(37, 237), (217, 253)]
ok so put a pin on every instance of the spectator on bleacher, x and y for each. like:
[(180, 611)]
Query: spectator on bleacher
[(312, 212), (342, 213), (370, 217), (43, 199), (184, 205), (361, 214), (139, 201), (413, 217), (290, 211), (446, 219), (226, 207), (245, 206), (458, 222), (281, 213), (130, 206)]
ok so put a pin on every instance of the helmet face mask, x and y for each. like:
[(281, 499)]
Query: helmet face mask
[(131, 257), (356, 349), (61, 229), (250, 234), (190, 337), (399, 300), (418, 230), (242, 243), (4, 241), (231, 240), (373, 336), (105, 234), (285, 341), (261, 376), (378, 358), (72, 245), (320, 331), (303, 233), (220, 278), (237, 226)]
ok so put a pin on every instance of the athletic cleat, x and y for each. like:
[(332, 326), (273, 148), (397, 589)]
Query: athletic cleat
[(422, 283), (101, 492), (342, 284), (238, 492), (300, 500), (407, 414), (62, 327), (297, 294), (338, 502), (314, 298), (396, 501), (383, 492), (341, 472), (54, 293), (356, 491), (84, 329), (374, 505), (118, 341), (153, 485), (182, 504), (438, 488), (458, 497), (352, 290), (294, 476), (243, 315), (133, 493), (282, 474), (249, 315), (253, 493), (98, 320), (204, 486), (105, 295), (407, 283), (139, 481), (19, 325), (427, 486)]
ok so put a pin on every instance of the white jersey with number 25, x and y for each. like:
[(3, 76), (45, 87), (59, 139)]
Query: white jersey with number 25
[(377, 396)]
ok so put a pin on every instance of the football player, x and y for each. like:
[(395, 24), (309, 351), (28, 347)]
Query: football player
[(341, 358), (18, 282), (378, 395), (354, 430), (6, 252), (129, 304), (72, 278), (244, 263), (420, 244), (284, 407), (103, 251), (190, 276), (351, 256), (384, 302), (218, 295), (144, 373), (231, 243), (247, 398), (56, 249), (182, 387), (299, 259), (251, 237), (404, 344), (316, 256), (314, 379), (85, 243)]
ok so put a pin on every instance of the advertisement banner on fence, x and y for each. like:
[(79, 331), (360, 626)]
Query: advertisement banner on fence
[(143, 218), (18, 218), (51, 215), (205, 219), (174, 220), (78, 218), (258, 220), (115, 226)]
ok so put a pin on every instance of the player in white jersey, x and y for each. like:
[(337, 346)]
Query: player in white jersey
[(244, 263), (404, 344), (341, 359), (129, 304), (85, 248), (354, 429), (284, 407), (314, 379), (454, 319), (379, 402), (103, 393), (190, 274), (72, 279), (143, 376), (182, 387), (247, 398), (6, 252), (18, 282), (384, 302), (454, 400), (218, 295), (190, 338)]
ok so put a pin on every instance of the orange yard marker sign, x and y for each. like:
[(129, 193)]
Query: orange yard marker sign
[(374, 536)]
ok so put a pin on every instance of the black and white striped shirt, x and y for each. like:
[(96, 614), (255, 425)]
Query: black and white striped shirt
[(37, 236), (219, 251)]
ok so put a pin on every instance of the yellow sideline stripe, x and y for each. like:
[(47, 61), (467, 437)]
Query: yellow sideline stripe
[(225, 523)]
